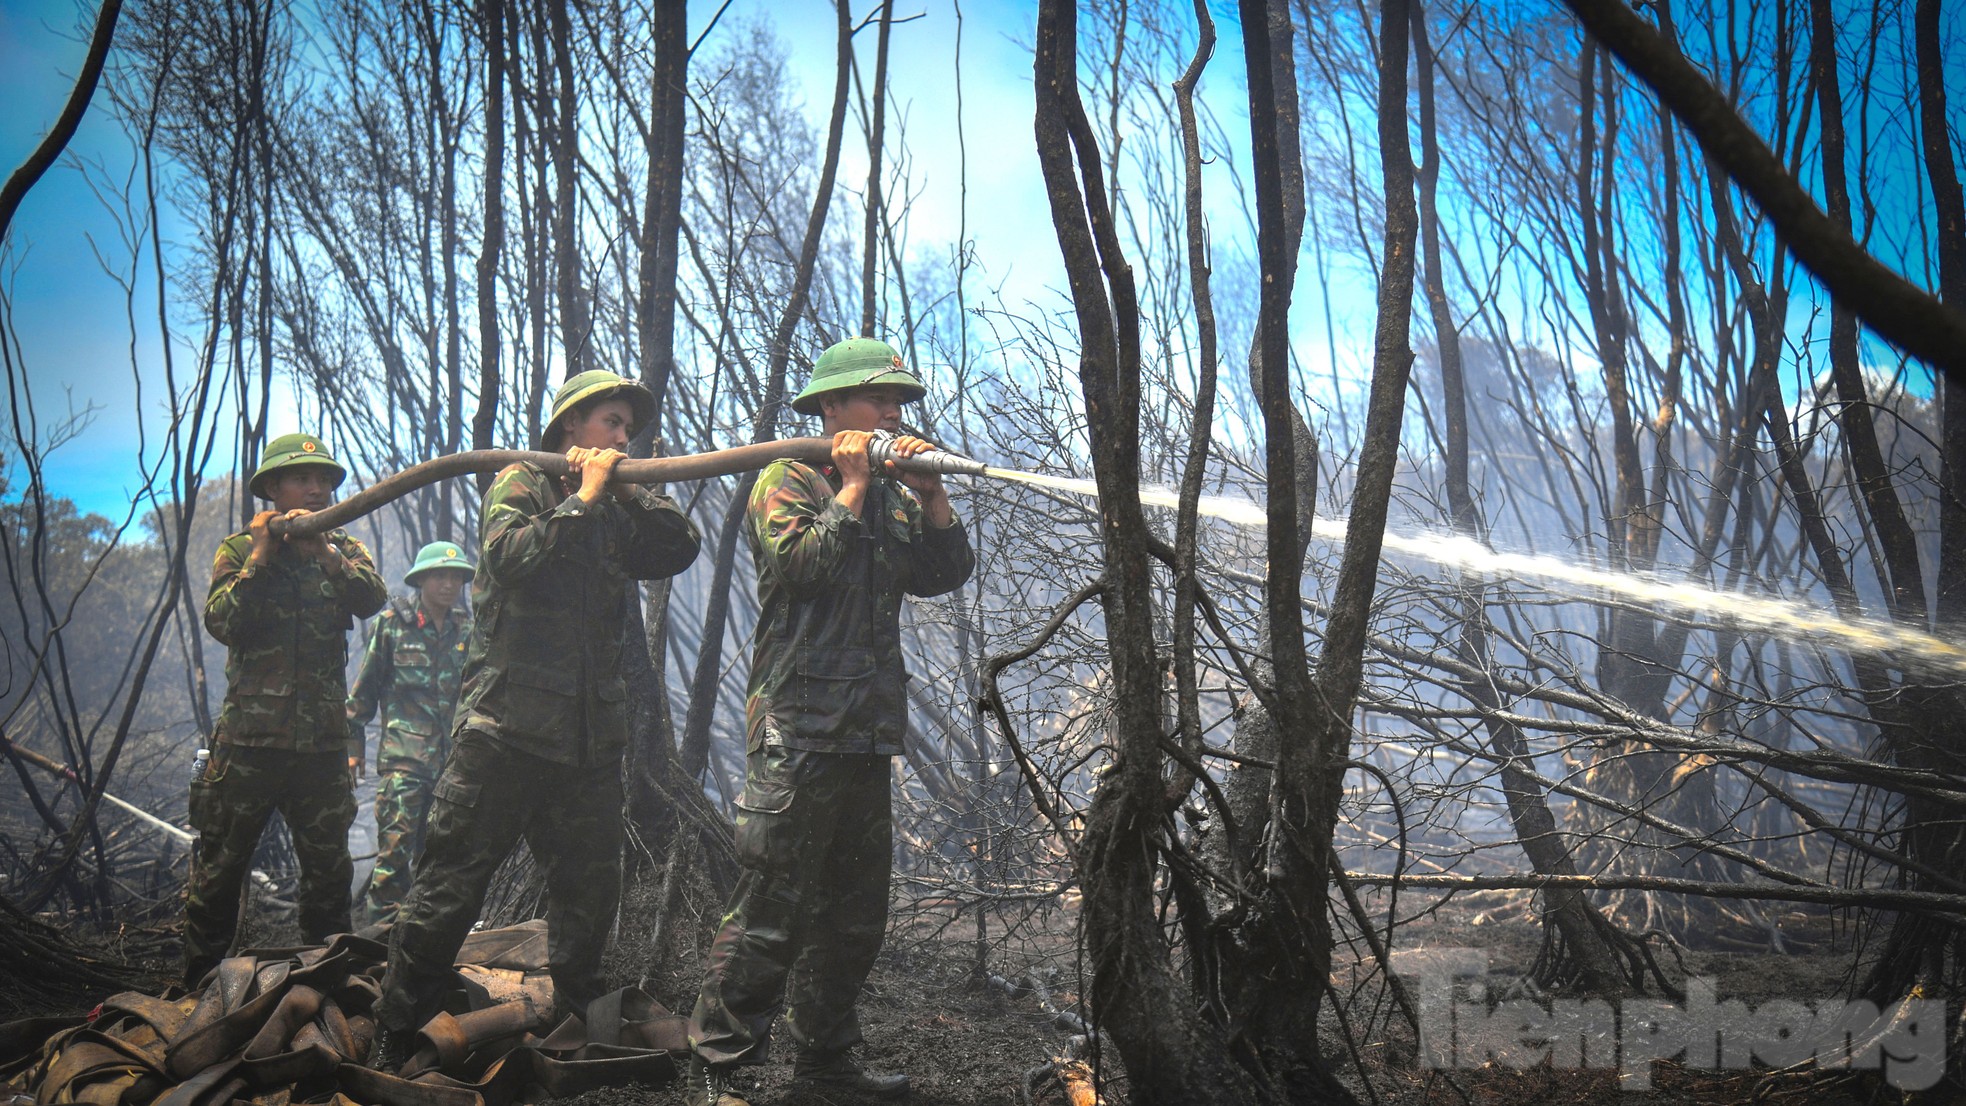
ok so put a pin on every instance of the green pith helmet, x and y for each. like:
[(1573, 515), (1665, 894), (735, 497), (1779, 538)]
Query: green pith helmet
[(856, 363), (287, 451), (589, 385), (436, 555)]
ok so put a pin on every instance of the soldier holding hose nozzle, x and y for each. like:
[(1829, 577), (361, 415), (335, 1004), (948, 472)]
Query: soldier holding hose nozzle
[(836, 546)]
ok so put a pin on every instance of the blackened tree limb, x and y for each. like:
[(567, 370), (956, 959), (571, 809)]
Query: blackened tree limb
[(656, 785), (491, 343), (990, 699), (1277, 259), (1587, 941), (764, 421), (1250, 788), (1881, 898), (1291, 935), (1950, 202), (1186, 682), (662, 212), (1340, 667), (24, 178), (575, 312), (1894, 307), (876, 138), (1854, 412)]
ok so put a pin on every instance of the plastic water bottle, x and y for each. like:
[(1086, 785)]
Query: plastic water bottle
[(198, 763)]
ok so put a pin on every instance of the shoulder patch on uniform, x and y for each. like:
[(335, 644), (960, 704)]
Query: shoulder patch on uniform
[(227, 549), (517, 476)]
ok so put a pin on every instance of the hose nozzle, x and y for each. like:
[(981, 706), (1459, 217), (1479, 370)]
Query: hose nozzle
[(881, 450)]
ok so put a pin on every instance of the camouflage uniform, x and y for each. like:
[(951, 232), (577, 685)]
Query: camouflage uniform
[(410, 670), (540, 728), (827, 709), (282, 737)]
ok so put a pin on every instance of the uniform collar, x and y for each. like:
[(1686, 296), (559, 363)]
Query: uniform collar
[(452, 618)]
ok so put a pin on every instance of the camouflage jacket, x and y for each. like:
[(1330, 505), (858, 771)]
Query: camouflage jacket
[(285, 625), (826, 668), (410, 670), (543, 673)]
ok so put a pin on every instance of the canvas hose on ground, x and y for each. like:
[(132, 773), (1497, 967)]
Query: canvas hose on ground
[(274, 1027)]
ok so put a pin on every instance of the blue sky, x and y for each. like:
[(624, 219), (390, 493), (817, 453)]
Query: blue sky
[(71, 316)]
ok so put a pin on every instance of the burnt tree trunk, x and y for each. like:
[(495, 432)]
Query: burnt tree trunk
[(653, 771), (1585, 934), (1632, 665), (1140, 1003), (571, 299), (1248, 786), (764, 423), (1278, 971), (873, 227), (1917, 947), (490, 344)]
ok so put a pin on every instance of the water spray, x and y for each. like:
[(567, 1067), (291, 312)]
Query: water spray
[(1771, 615)]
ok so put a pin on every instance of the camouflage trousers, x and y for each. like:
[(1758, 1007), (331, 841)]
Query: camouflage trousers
[(815, 839), (489, 797), (402, 809), (230, 806)]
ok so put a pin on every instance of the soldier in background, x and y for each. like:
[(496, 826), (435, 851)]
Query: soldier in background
[(410, 671), (836, 547), (543, 718), (283, 608)]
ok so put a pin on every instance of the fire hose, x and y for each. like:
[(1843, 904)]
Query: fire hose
[(66, 772), (633, 470)]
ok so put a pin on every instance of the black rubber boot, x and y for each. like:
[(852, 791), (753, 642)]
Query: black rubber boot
[(837, 1071)]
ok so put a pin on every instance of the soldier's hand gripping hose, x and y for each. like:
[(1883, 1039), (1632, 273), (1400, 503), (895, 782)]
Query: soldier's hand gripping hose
[(595, 468), (920, 465)]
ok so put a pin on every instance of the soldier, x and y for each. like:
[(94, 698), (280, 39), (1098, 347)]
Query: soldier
[(410, 670), (543, 717), (836, 546), (283, 609)]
